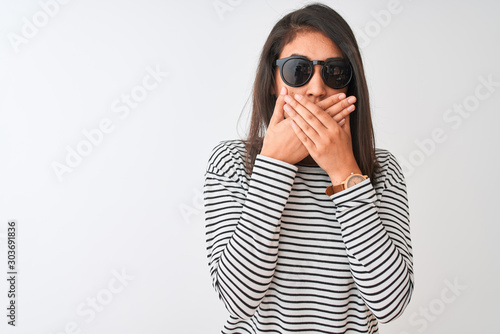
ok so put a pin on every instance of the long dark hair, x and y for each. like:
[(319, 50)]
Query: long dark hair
[(323, 19)]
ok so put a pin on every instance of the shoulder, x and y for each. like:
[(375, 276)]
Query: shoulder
[(390, 172), (228, 158)]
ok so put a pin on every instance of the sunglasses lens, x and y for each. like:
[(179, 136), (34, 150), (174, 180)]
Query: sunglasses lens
[(337, 74), (296, 72)]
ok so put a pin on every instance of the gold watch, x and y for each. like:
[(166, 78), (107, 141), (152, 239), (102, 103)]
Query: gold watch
[(351, 180)]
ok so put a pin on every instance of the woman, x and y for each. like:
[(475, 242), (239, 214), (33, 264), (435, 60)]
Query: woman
[(307, 223)]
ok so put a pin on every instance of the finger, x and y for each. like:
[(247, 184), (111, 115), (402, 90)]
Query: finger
[(331, 100), (343, 114), (342, 105), (316, 117), (303, 124), (278, 115), (311, 131), (304, 139)]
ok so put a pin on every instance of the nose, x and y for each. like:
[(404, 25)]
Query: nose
[(316, 88)]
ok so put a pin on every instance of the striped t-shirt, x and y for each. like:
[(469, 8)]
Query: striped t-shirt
[(286, 258)]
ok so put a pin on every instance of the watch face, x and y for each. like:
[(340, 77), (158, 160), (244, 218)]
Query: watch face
[(354, 179)]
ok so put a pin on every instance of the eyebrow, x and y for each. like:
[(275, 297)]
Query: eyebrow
[(297, 54)]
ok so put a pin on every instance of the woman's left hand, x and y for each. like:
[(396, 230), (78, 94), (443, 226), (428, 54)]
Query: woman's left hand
[(328, 143)]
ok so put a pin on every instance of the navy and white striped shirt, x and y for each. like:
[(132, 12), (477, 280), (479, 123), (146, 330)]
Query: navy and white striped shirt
[(286, 258)]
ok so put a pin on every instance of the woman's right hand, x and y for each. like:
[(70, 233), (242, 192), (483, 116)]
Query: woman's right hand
[(281, 142)]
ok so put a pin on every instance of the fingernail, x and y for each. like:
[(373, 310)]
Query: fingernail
[(287, 108), (298, 97), (342, 96), (351, 107), (288, 98), (342, 121), (283, 91), (352, 99)]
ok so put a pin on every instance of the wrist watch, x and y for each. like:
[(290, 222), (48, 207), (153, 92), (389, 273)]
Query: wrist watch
[(351, 180)]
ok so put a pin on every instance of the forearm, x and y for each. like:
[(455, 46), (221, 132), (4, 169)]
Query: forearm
[(378, 246), (243, 236)]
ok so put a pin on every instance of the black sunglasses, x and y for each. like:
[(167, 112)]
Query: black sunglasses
[(296, 71)]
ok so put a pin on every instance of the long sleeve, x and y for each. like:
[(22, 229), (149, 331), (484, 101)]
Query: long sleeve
[(376, 232), (243, 224)]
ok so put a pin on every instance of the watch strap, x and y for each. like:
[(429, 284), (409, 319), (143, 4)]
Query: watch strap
[(330, 190)]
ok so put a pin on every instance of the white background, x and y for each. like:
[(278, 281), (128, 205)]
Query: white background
[(133, 203)]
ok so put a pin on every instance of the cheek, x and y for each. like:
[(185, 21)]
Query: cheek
[(279, 82), (290, 90)]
